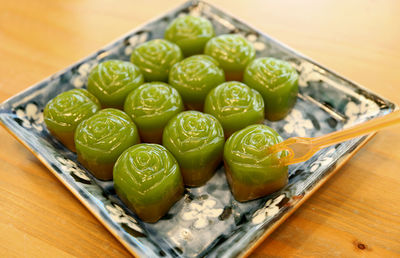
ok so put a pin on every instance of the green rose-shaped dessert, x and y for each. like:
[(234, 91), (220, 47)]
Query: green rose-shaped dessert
[(151, 106), (233, 52), (100, 139), (111, 81), (190, 33), (250, 171), (196, 140), (63, 114), (235, 105), (148, 180), (277, 81), (155, 58), (194, 77)]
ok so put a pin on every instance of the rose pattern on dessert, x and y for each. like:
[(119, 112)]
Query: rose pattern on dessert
[(233, 52), (151, 106), (75, 103), (235, 105), (106, 132), (100, 139), (251, 173), (190, 33), (63, 114), (155, 58), (160, 97), (249, 148), (194, 77), (195, 131), (152, 166), (196, 140), (277, 81), (111, 81), (147, 178)]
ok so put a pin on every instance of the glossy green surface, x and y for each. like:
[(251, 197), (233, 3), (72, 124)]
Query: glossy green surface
[(190, 33), (235, 105), (152, 105), (105, 135), (232, 51), (277, 81), (155, 58), (195, 76), (64, 112), (245, 153), (194, 138), (112, 80), (146, 173), (90, 96)]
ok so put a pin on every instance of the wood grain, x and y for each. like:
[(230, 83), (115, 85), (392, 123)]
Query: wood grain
[(355, 213)]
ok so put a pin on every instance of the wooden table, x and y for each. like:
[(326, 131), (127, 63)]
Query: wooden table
[(356, 213)]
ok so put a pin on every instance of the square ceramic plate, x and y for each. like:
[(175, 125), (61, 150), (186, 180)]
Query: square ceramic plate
[(207, 220)]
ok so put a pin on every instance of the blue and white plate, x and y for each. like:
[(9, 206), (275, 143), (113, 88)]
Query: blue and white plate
[(207, 221)]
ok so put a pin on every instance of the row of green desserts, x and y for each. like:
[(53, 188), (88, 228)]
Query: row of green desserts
[(152, 114), (195, 76), (195, 139), (152, 105), (199, 81), (212, 60), (111, 81)]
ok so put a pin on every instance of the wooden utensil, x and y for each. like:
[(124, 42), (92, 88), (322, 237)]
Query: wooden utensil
[(302, 148)]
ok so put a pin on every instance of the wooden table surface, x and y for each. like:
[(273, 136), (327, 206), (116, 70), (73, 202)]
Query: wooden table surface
[(356, 212)]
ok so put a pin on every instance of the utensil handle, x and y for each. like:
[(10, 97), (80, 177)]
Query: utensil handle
[(357, 130)]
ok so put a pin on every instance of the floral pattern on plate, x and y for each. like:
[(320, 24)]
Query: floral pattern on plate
[(30, 116), (202, 213)]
